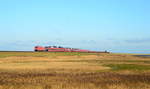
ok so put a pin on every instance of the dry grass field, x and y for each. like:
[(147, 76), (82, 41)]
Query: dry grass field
[(43, 70)]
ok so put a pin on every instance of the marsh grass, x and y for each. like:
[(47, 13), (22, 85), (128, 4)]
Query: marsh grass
[(51, 80), (110, 61), (42, 54), (128, 67), (43, 70)]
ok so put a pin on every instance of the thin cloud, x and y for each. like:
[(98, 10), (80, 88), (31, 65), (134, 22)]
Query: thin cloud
[(143, 40)]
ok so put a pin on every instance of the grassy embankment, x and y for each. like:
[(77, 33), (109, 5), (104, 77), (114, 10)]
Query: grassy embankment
[(43, 70)]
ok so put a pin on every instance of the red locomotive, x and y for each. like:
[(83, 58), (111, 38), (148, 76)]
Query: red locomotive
[(61, 49)]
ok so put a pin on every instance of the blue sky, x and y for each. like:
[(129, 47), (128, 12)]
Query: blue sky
[(113, 25)]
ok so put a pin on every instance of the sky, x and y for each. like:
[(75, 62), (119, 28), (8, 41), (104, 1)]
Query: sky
[(121, 26)]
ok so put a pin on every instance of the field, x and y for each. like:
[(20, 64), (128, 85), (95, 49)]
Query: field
[(43, 70)]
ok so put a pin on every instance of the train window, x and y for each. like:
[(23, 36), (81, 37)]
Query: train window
[(57, 49)]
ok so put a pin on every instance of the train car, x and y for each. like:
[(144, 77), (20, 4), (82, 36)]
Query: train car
[(62, 49), (80, 50), (57, 49), (39, 48)]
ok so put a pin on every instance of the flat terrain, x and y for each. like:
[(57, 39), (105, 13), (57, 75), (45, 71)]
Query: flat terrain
[(43, 70)]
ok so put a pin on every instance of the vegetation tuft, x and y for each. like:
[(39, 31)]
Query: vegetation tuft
[(128, 67)]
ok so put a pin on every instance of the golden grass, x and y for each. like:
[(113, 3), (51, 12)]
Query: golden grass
[(73, 71)]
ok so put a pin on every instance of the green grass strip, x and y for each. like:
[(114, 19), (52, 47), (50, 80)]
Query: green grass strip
[(128, 67)]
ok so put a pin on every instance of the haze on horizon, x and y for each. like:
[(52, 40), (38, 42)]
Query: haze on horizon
[(113, 25)]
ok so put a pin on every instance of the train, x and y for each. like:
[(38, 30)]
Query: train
[(63, 49)]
